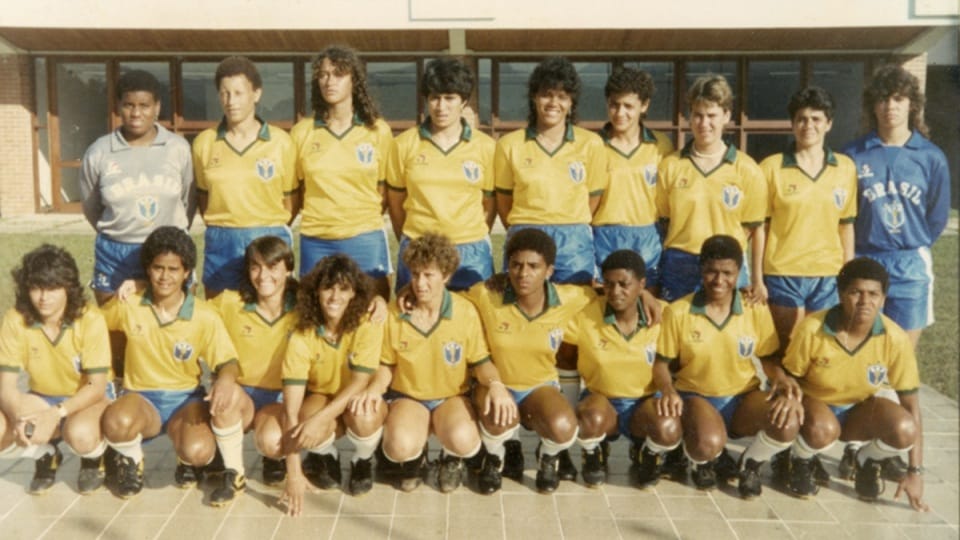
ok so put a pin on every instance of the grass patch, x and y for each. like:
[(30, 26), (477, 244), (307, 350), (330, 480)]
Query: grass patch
[(938, 350)]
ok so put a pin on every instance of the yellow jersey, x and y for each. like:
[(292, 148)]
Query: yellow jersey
[(325, 367), (630, 198)]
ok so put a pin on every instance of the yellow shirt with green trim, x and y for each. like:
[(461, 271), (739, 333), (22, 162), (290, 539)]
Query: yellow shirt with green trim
[(711, 359), (245, 187), (434, 364), (630, 198), (445, 190), (524, 349), (341, 176), (167, 356), (830, 373), (699, 205), (805, 212), (260, 344), (551, 188), (613, 364), (55, 367), (325, 367)]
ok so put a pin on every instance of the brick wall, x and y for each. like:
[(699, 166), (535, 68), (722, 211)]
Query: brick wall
[(16, 137)]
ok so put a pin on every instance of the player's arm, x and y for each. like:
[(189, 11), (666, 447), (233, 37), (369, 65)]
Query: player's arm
[(369, 399), (846, 240), (202, 199), (10, 403), (293, 395), (758, 241), (398, 216), (489, 209), (497, 399), (504, 205), (669, 403), (225, 392), (912, 483), (292, 202), (359, 381)]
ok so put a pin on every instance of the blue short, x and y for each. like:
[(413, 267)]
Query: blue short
[(643, 240), (575, 260), (680, 274), (910, 298), (168, 402), (115, 262), (369, 249), (725, 405), (262, 397), (476, 264), (223, 251), (810, 293), (520, 395), (625, 407), (53, 401), (841, 412), (430, 404)]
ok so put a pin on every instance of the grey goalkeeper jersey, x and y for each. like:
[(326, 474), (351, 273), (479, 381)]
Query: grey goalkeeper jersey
[(128, 191)]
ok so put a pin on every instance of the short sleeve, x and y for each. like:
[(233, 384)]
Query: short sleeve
[(199, 170), (366, 347), (388, 356), (502, 168), (289, 156), (396, 174), (571, 332), (218, 350), (477, 350), (767, 341), (796, 361), (95, 354), (597, 177), (296, 361), (902, 372), (12, 342), (755, 187), (385, 148), (668, 342), (662, 194)]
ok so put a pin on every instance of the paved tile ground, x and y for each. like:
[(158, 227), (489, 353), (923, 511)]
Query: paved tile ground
[(616, 510)]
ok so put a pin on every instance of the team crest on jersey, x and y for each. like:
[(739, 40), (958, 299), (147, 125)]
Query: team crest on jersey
[(182, 351), (148, 208), (315, 147), (578, 173), (731, 197), (75, 361), (695, 336), (745, 346), (839, 197), (365, 153), (452, 353), (791, 189), (266, 169), (471, 171), (555, 338), (865, 171), (651, 353), (823, 362), (503, 327), (876, 374), (246, 331), (421, 159), (650, 175), (893, 216), (683, 183)]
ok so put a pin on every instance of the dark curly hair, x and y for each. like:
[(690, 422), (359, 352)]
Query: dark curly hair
[(719, 247), (626, 80), (554, 73), (271, 250), (625, 259), (532, 240), (333, 270), (137, 80), (446, 76), (890, 80), (432, 248), (169, 239), (48, 267), (238, 65), (345, 60), (811, 97), (862, 268)]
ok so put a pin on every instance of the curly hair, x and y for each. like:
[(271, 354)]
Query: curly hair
[(811, 97), (447, 76), (432, 248), (625, 259), (891, 80), (713, 89), (48, 267), (532, 240), (333, 270), (238, 65), (169, 239), (271, 250), (720, 247), (627, 80), (137, 80), (345, 60), (554, 73), (862, 268)]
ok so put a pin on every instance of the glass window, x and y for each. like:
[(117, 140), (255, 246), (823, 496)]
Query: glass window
[(512, 90), (762, 145), (727, 68), (40, 84), (661, 106), (276, 102), (81, 106), (485, 91), (200, 101), (394, 87), (160, 70), (308, 86), (769, 87), (844, 81), (70, 184), (593, 76)]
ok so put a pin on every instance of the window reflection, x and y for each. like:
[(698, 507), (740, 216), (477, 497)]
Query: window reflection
[(592, 103), (762, 145), (81, 106), (513, 90), (769, 87), (844, 81), (394, 87), (661, 105), (200, 100)]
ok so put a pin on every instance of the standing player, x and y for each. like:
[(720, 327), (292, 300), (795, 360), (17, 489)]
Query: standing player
[(904, 195), (627, 216), (246, 182), (551, 174), (441, 177), (169, 332), (810, 212), (61, 343), (715, 343), (342, 155), (842, 358), (708, 188)]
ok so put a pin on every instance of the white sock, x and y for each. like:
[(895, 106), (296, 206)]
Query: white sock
[(550, 448), (763, 448), (326, 448), (802, 450), (364, 447), (398, 461), (697, 461), (131, 449), (570, 386), (494, 443), (93, 454), (470, 454), (230, 443), (591, 444), (658, 449), (877, 450)]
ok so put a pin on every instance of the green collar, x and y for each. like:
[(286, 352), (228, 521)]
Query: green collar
[(699, 303), (646, 134), (186, 310), (831, 323), (263, 134), (319, 122), (610, 317), (531, 133), (465, 135), (553, 299), (729, 156), (446, 307), (790, 157), (289, 302)]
